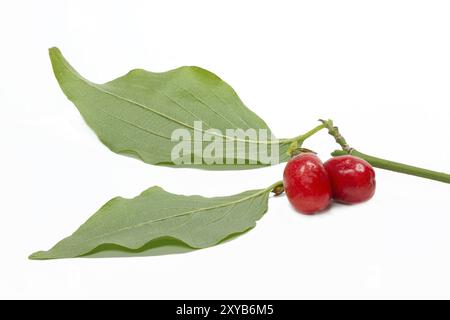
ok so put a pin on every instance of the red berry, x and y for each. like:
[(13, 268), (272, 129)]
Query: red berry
[(352, 179), (306, 183)]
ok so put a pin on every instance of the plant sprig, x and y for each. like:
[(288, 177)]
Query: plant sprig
[(135, 114)]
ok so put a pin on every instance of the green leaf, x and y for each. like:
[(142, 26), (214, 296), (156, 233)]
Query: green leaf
[(158, 222), (137, 114)]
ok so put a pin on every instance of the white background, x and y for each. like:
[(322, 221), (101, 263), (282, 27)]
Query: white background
[(380, 69)]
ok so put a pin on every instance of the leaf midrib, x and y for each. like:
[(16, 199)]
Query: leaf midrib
[(139, 225), (100, 88)]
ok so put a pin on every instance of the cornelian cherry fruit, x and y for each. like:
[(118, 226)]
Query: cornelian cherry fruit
[(352, 179), (306, 184)]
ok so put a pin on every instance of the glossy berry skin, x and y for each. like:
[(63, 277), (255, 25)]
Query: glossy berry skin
[(306, 184), (352, 179)]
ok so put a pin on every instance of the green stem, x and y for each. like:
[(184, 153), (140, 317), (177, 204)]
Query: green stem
[(297, 142), (277, 188), (310, 133), (334, 131), (397, 167)]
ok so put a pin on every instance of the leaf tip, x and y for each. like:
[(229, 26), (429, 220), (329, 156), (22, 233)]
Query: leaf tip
[(38, 255), (54, 52)]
